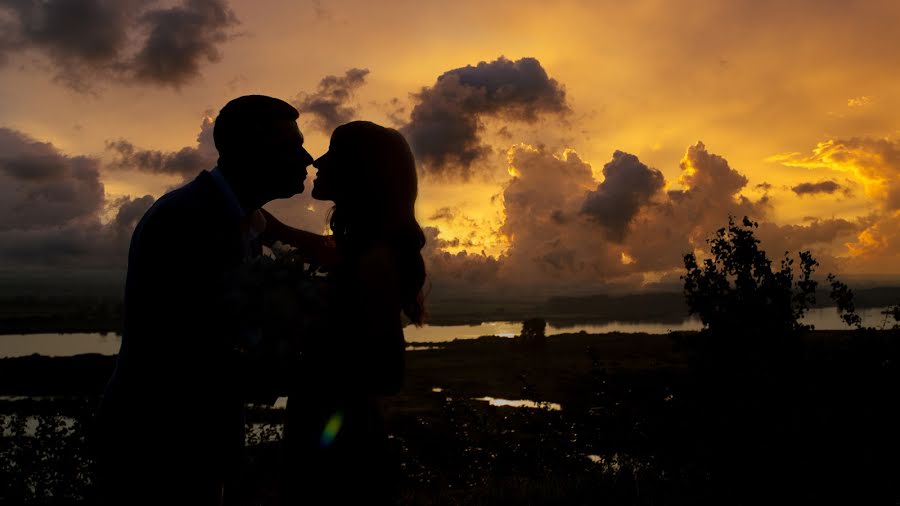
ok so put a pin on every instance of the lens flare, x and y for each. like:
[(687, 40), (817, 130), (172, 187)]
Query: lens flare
[(332, 427)]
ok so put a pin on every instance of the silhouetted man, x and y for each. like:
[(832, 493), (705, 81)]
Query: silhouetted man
[(172, 416)]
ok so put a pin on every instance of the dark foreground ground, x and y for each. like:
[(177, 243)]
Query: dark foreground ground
[(642, 419)]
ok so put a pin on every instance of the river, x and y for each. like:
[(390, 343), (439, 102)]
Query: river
[(108, 344)]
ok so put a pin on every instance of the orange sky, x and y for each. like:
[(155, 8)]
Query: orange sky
[(806, 91)]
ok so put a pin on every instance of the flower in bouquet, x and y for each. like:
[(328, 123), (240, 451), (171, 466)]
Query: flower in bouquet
[(281, 299)]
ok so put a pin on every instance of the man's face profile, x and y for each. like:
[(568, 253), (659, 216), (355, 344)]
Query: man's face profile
[(286, 159)]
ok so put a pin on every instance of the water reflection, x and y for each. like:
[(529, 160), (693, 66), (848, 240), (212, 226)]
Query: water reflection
[(824, 318), (60, 345), (29, 425), (551, 406), (423, 348)]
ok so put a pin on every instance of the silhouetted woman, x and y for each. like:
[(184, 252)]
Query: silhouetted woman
[(335, 438)]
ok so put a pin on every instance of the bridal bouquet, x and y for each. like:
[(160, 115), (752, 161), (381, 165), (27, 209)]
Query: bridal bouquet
[(279, 299)]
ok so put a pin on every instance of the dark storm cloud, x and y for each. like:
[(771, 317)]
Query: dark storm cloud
[(330, 105), (51, 206), (186, 162), (39, 186), (78, 244), (627, 186), (130, 212), (84, 31), (445, 126), (827, 187), (134, 40), (181, 39)]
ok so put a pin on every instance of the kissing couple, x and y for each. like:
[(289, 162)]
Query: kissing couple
[(172, 417)]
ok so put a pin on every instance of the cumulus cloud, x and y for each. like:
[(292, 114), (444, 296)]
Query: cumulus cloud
[(628, 185), (711, 190), (449, 273), (186, 162), (550, 240), (565, 231), (827, 187), (88, 41), (51, 206), (568, 232), (826, 237), (330, 105), (445, 125), (875, 162)]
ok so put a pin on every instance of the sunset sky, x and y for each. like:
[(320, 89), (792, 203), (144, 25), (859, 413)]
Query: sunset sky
[(559, 143)]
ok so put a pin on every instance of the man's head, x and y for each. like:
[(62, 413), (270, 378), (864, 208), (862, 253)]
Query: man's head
[(261, 148)]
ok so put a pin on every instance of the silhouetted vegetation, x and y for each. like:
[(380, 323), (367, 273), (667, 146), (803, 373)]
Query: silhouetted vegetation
[(736, 291), (534, 332), (756, 409), (639, 424), (842, 296)]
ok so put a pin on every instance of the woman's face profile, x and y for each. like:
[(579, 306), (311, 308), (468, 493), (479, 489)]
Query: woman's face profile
[(330, 168)]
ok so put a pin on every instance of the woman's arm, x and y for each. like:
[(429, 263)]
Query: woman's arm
[(317, 249)]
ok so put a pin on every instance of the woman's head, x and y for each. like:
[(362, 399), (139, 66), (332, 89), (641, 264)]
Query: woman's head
[(367, 164), (370, 174)]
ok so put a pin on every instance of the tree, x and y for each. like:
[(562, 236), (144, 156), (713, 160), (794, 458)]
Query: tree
[(736, 291), (533, 331), (842, 296)]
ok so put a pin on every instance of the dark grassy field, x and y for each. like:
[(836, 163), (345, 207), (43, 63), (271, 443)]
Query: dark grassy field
[(644, 419)]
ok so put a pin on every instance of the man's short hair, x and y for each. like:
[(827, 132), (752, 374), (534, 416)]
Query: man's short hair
[(244, 123)]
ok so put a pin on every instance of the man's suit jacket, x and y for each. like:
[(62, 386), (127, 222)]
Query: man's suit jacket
[(176, 378)]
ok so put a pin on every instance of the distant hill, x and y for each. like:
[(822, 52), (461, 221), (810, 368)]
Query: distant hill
[(81, 303)]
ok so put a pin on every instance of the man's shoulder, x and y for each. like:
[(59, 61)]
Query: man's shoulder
[(189, 204)]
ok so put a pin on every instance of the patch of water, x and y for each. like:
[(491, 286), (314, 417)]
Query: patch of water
[(551, 406)]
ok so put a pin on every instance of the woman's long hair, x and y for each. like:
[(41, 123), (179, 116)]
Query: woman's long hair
[(377, 204)]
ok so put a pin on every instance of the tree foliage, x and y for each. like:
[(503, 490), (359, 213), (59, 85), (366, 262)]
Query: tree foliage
[(842, 296), (737, 291)]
